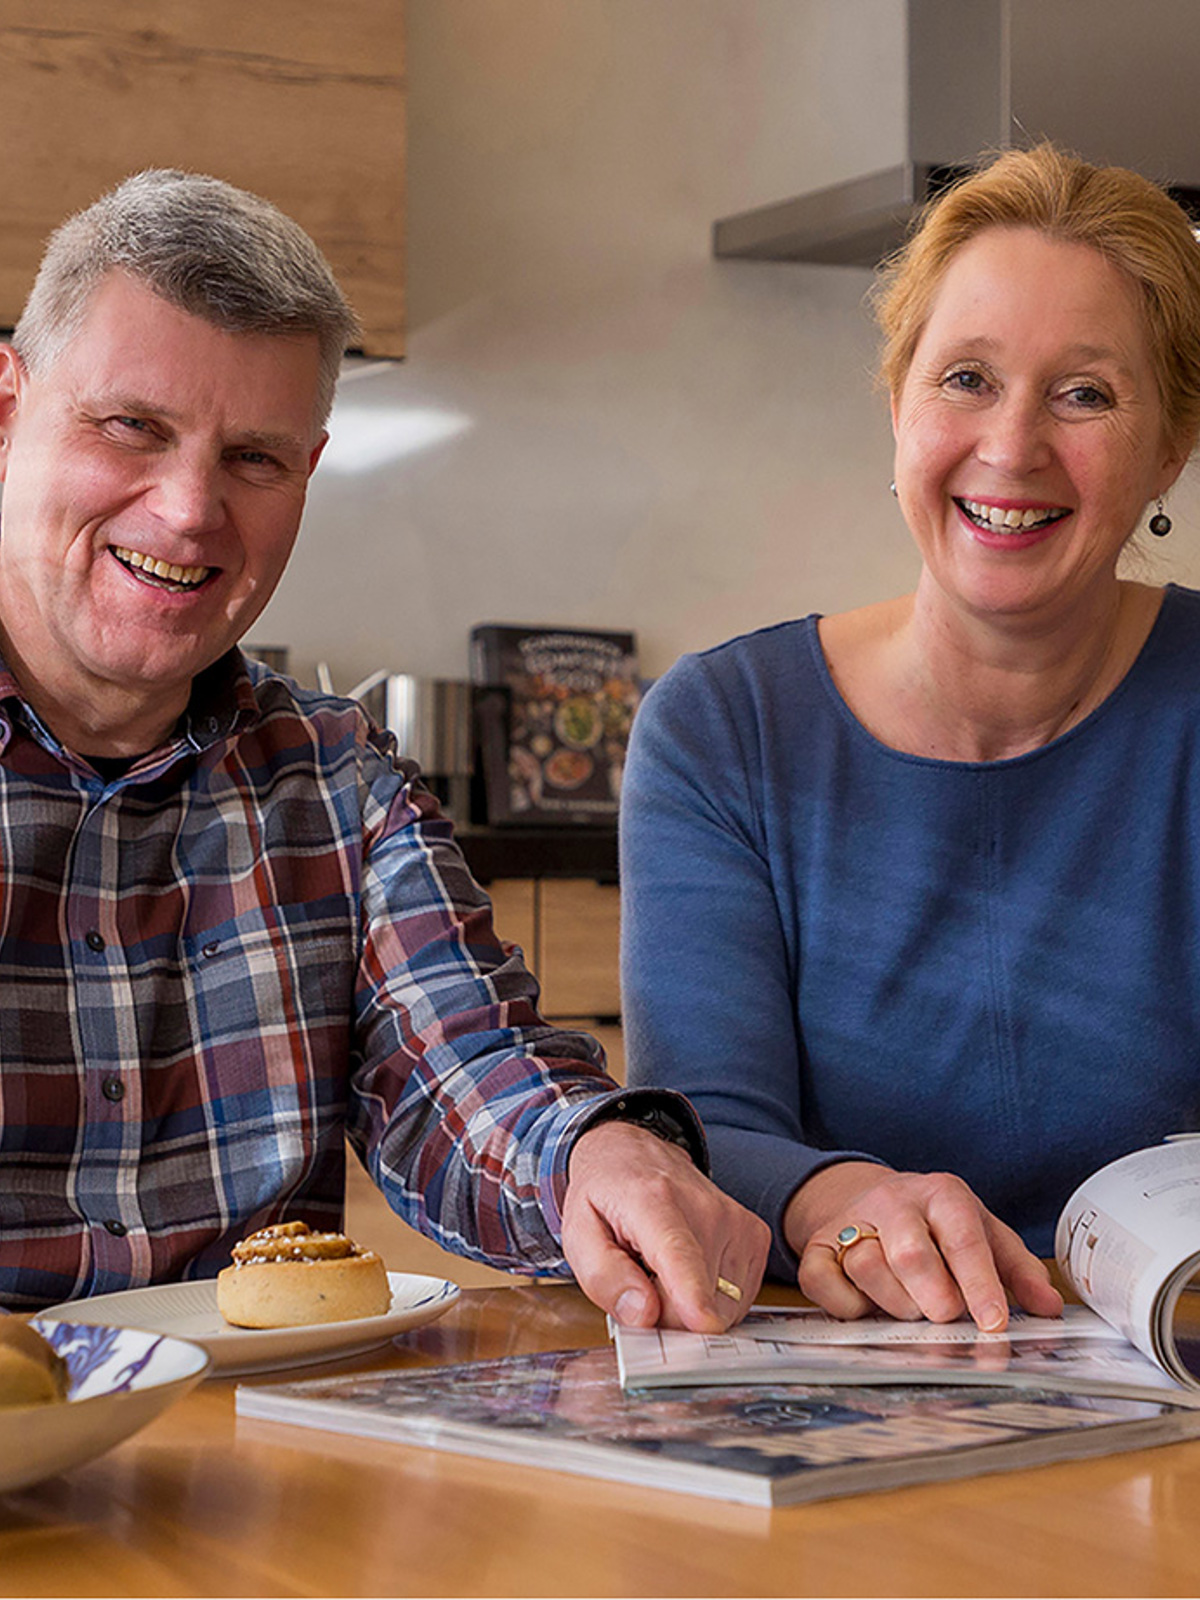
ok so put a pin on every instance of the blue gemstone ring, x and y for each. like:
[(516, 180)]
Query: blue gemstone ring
[(849, 1237)]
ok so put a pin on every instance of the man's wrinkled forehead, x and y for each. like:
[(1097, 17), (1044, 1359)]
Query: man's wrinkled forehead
[(121, 367)]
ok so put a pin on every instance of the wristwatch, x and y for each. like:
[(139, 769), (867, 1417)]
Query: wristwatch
[(662, 1112)]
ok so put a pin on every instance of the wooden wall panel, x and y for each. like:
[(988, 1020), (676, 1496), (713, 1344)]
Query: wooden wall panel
[(298, 100)]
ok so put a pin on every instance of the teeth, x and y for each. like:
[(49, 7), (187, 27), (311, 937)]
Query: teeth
[(153, 568), (997, 517)]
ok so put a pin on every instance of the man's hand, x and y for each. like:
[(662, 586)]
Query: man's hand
[(931, 1248), (647, 1235)]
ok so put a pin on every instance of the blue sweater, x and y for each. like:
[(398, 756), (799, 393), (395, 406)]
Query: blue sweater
[(835, 948)]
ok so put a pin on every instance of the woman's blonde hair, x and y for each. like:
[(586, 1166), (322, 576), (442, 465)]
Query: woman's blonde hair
[(1129, 220)]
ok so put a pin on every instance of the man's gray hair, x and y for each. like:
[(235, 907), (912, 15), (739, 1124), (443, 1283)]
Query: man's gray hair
[(217, 252)]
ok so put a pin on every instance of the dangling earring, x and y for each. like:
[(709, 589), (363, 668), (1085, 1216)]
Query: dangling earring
[(1160, 522), (892, 486)]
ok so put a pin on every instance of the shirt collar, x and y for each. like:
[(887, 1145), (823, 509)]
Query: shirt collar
[(222, 701)]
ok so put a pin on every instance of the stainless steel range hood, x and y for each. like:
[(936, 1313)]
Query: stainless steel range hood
[(1116, 80)]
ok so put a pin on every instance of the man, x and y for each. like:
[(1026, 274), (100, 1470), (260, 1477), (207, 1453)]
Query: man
[(234, 927)]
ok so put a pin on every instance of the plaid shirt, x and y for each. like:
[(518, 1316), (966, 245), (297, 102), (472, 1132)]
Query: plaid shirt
[(259, 939)]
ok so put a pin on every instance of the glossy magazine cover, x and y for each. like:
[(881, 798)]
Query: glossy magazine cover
[(770, 1444)]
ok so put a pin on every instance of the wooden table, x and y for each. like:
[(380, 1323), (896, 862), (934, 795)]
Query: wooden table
[(199, 1504)]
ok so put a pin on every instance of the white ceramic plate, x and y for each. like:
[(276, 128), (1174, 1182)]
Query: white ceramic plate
[(189, 1311), (121, 1378)]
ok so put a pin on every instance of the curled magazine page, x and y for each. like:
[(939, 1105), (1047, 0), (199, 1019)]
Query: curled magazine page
[(1128, 1242)]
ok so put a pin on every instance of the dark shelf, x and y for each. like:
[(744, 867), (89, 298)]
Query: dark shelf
[(517, 852)]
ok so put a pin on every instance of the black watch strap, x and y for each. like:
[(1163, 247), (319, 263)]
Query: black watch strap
[(661, 1112)]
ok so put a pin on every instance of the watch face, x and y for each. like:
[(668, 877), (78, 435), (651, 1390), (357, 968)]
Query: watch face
[(665, 1127), (663, 1124)]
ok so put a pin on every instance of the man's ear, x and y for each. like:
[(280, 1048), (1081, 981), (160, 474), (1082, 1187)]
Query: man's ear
[(12, 384), (315, 454)]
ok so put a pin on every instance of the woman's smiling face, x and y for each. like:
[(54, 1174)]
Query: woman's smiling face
[(1029, 431)]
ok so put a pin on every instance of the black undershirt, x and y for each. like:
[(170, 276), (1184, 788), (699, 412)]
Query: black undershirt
[(111, 768)]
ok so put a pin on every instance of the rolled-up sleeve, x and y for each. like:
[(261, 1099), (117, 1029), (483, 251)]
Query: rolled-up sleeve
[(466, 1102)]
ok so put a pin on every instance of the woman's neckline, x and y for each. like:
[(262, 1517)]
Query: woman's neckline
[(846, 712)]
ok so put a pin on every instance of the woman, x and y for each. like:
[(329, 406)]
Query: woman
[(913, 893)]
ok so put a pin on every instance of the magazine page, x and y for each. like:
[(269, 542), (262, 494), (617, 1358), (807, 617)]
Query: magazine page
[(775, 1445), (1128, 1241), (807, 1325), (1078, 1353)]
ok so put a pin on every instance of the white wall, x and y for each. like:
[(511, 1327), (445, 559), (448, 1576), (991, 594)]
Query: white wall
[(647, 438)]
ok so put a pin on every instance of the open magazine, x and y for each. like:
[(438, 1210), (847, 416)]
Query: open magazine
[(792, 1405), (1128, 1242), (779, 1444)]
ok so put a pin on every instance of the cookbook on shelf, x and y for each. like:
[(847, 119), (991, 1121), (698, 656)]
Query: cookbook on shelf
[(553, 711)]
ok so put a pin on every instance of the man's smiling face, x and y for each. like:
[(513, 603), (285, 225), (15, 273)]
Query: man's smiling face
[(154, 478)]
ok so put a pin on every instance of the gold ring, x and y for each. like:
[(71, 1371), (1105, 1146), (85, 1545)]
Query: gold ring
[(731, 1289), (849, 1237)]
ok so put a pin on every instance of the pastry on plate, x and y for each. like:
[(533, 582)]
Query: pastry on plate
[(31, 1370), (287, 1276)]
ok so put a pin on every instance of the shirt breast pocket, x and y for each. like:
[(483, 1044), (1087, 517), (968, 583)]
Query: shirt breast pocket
[(276, 970)]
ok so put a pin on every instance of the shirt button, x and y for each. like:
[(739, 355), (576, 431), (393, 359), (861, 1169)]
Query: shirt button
[(113, 1089), (116, 1227), (94, 940)]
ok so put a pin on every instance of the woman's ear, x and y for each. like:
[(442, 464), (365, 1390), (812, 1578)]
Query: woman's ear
[(1175, 457)]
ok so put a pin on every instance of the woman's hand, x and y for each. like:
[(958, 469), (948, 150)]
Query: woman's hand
[(939, 1253)]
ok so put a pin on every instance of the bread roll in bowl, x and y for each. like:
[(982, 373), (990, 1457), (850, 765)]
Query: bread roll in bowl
[(287, 1276), (31, 1370)]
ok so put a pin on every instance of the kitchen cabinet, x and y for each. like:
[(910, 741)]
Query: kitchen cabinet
[(297, 100), (579, 947), (555, 893), (570, 931)]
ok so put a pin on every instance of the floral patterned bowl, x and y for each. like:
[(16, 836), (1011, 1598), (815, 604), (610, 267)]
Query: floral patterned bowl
[(121, 1378)]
